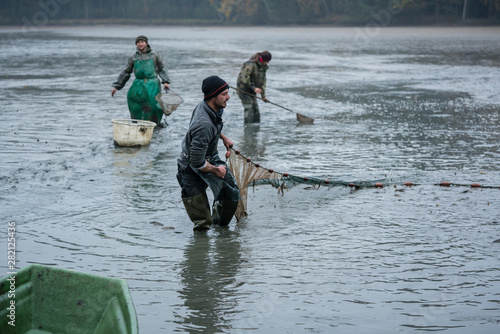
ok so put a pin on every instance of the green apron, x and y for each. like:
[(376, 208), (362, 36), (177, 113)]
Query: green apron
[(141, 96)]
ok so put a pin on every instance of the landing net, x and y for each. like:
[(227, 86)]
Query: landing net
[(168, 101)]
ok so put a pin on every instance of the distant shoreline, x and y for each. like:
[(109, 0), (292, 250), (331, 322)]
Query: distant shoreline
[(195, 22)]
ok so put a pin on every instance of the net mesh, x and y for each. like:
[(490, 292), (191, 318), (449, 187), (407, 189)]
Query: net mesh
[(247, 173), (168, 101)]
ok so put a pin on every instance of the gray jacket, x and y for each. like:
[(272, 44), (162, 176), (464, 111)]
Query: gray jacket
[(148, 54), (202, 137)]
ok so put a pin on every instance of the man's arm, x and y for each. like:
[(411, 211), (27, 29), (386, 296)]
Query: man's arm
[(228, 143), (219, 171), (199, 146)]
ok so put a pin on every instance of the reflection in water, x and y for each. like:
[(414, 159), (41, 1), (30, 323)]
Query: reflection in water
[(250, 143), (123, 155), (136, 177), (208, 279)]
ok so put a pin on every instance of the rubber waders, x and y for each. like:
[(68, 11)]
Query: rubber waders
[(141, 96), (198, 210), (223, 212)]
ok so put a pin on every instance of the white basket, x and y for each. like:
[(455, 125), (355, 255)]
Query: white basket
[(132, 132)]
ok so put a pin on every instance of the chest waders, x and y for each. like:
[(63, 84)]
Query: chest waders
[(225, 190), (141, 96), (257, 76), (226, 196)]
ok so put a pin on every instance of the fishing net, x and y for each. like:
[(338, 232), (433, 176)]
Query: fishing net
[(247, 173), (168, 102)]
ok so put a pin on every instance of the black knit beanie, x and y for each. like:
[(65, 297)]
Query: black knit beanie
[(213, 86)]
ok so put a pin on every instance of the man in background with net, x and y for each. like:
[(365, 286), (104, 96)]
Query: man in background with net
[(200, 166), (252, 81)]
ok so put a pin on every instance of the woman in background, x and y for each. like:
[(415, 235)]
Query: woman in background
[(147, 67)]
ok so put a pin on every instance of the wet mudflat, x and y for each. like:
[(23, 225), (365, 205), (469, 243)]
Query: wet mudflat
[(419, 105)]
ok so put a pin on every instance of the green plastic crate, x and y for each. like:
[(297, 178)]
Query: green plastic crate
[(55, 300)]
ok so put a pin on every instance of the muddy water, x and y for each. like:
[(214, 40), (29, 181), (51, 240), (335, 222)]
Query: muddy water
[(418, 105)]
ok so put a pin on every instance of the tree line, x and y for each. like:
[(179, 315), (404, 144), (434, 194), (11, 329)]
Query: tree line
[(250, 12)]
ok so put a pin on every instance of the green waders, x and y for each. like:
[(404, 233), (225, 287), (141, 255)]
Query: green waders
[(141, 96), (251, 112), (223, 212), (225, 190), (198, 210)]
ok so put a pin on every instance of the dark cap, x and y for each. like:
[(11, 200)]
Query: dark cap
[(141, 38), (213, 86), (265, 56)]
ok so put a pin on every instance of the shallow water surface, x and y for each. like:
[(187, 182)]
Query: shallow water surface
[(408, 104)]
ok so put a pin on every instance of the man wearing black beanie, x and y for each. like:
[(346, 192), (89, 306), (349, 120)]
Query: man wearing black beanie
[(200, 166), (213, 86)]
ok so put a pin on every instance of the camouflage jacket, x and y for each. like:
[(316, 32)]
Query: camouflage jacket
[(148, 54), (252, 75)]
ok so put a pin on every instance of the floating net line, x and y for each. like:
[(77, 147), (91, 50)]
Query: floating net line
[(247, 173)]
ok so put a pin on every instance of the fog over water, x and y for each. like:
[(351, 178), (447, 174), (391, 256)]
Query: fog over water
[(390, 105)]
